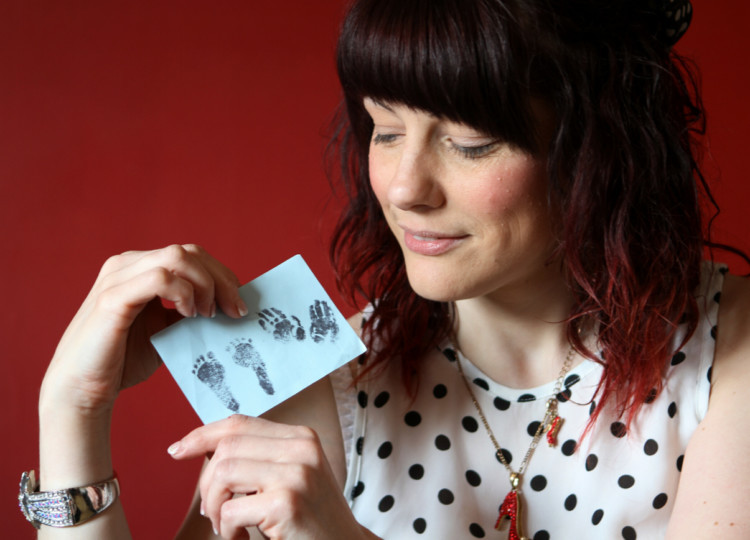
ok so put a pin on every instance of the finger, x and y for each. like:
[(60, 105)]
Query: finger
[(179, 261), (227, 293), (245, 477), (213, 283), (123, 301), (206, 438)]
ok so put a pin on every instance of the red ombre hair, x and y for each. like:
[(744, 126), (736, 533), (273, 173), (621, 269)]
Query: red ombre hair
[(625, 188)]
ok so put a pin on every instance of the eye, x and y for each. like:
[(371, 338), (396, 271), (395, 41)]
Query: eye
[(383, 138), (474, 152)]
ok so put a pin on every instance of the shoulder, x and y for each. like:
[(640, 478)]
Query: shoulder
[(715, 479), (732, 359)]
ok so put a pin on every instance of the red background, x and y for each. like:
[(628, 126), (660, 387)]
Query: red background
[(132, 125)]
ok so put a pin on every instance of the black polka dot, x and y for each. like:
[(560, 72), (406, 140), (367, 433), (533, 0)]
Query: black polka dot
[(416, 471), (506, 454), (618, 429), (570, 502), (469, 423), (450, 354), (357, 490), (723, 270), (651, 396), (524, 398), (591, 461), (501, 404), (442, 442), (628, 533), (381, 399), (440, 391), (672, 409), (564, 396), (678, 358), (713, 332), (532, 427), (717, 297), (420, 525), (481, 383), (660, 500), (473, 478), (651, 447), (708, 373), (568, 448), (538, 483), (445, 496), (679, 463), (570, 380), (476, 530), (386, 503), (385, 450), (362, 398), (626, 481), (412, 418), (592, 408), (360, 444), (597, 516), (541, 535)]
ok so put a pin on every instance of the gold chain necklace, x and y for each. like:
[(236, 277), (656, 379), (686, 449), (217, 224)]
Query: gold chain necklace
[(511, 507)]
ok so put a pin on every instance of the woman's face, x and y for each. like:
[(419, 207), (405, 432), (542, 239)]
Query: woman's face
[(469, 211)]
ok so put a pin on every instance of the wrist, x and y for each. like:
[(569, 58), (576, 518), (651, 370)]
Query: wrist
[(74, 447)]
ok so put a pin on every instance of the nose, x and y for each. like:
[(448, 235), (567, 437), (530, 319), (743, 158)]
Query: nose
[(415, 182)]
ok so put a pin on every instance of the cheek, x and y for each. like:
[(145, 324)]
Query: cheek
[(377, 178)]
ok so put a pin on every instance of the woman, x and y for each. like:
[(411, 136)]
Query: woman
[(525, 223)]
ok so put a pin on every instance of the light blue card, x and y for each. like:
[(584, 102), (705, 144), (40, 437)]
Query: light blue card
[(292, 336)]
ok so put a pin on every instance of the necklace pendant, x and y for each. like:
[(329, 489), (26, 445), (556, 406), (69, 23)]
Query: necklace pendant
[(511, 510), (553, 429)]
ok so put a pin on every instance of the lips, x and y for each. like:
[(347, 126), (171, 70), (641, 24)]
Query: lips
[(431, 243)]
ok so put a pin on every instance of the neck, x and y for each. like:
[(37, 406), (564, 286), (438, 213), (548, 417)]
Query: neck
[(517, 338)]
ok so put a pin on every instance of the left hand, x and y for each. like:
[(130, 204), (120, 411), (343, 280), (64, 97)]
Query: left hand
[(268, 475)]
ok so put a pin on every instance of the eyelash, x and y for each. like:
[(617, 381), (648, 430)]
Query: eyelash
[(469, 152), (474, 152)]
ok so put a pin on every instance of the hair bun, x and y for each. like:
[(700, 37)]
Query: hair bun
[(675, 18)]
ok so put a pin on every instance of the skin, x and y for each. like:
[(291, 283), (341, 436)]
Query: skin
[(489, 203)]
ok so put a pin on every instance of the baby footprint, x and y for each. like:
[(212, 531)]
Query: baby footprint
[(244, 355), (274, 320), (211, 372)]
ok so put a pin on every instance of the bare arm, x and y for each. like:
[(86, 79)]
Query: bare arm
[(715, 480), (106, 349)]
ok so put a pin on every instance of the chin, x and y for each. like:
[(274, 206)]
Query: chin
[(439, 289)]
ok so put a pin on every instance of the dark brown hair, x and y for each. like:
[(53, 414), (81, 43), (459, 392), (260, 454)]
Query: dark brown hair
[(624, 184)]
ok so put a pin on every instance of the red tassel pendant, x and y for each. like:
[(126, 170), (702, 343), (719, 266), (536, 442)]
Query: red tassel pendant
[(552, 431), (511, 510)]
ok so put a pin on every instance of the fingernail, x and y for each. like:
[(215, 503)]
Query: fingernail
[(174, 448), (216, 532), (242, 308), (213, 310), (203, 510)]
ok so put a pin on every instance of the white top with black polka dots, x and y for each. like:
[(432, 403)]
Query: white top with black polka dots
[(426, 468)]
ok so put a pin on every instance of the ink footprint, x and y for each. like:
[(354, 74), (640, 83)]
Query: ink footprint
[(244, 355), (274, 320), (323, 322), (211, 372)]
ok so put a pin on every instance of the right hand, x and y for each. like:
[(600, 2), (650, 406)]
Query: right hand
[(106, 347)]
